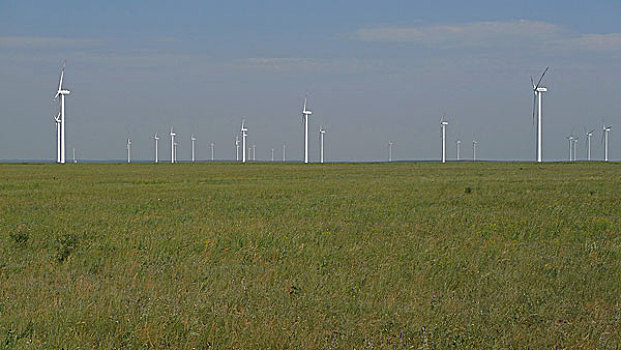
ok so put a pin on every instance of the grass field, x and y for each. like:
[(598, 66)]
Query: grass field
[(333, 256)]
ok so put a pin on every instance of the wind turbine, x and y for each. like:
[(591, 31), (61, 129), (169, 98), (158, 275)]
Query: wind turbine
[(606, 130), (390, 151), (443, 124), (237, 147), (458, 143), (129, 150), (254, 153), (244, 132), (212, 144), (172, 145), (305, 114), (538, 90), (272, 154), (193, 139), (474, 150), (74, 160), (570, 138), (575, 143), (589, 135), (284, 152), (156, 139), (321, 132), (60, 128)]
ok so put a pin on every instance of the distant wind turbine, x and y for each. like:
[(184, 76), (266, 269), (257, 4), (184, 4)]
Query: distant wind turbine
[(458, 143), (60, 128), (244, 133), (443, 124), (237, 147), (193, 139), (322, 131), (272, 154), (74, 160), (390, 151), (156, 139), (212, 144), (305, 114), (575, 144), (570, 138), (254, 152), (605, 131), (129, 150), (474, 150), (538, 90), (172, 145), (589, 134), (284, 152)]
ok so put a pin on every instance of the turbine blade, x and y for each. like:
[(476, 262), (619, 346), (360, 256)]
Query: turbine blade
[(532, 82), (60, 83), (540, 79)]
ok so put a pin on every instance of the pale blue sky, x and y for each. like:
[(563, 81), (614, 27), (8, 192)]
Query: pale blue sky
[(373, 71)]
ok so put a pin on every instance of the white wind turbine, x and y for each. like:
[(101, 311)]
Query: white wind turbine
[(60, 127), (284, 152), (575, 144), (129, 150), (156, 139), (237, 147), (390, 151), (74, 160), (172, 145), (570, 138), (212, 144), (606, 130), (305, 114), (589, 134), (474, 150), (458, 143), (538, 90), (244, 133), (272, 154), (193, 139), (254, 152), (443, 124), (322, 131)]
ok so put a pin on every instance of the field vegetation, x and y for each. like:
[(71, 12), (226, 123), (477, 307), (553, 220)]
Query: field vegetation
[(293, 256)]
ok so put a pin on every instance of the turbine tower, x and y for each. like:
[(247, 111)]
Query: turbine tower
[(212, 144), (74, 160), (538, 90), (60, 127), (321, 132), (589, 135), (129, 150), (390, 151), (237, 147), (305, 114), (458, 143), (443, 124), (575, 143), (193, 139), (272, 154), (244, 133), (606, 130), (172, 146), (570, 138), (474, 150), (284, 152), (254, 152), (156, 139)]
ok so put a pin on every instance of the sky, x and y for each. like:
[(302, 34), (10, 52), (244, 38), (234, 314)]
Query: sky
[(373, 72)]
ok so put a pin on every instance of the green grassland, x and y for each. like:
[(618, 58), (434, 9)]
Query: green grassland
[(333, 256)]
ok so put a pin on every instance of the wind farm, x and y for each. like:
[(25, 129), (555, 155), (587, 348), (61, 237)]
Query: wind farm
[(427, 195)]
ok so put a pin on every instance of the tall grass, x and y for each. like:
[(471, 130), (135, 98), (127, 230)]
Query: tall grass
[(275, 256)]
